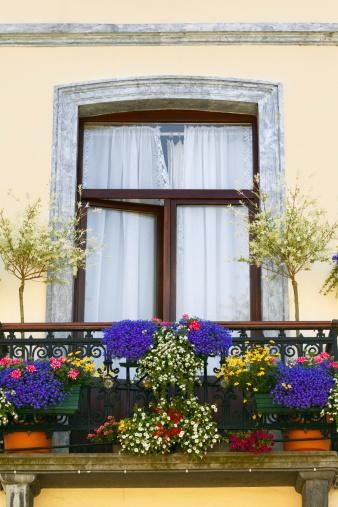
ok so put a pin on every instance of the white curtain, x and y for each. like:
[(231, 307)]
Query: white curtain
[(120, 281), (210, 282)]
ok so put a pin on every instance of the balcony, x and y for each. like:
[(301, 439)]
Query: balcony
[(78, 462), (119, 393)]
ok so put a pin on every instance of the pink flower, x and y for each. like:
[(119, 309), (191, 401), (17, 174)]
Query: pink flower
[(165, 323), (334, 364), (185, 316), (55, 363), (301, 359), (323, 356), (30, 368), (16, 361), (5, 361), (318, 359), (15, 374), (73, 374)]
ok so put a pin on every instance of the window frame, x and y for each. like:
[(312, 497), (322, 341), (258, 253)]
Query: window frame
[(166, 252)]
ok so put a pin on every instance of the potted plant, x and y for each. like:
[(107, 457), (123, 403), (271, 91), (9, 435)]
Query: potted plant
[(129, 339), (304, 386), (106, 433), (287, 241), (33, 250), (257, 441), (42, 387), (254, 373), (168, 426)]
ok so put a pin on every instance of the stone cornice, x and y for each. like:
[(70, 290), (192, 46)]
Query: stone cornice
[(64, 34), (216, 469)]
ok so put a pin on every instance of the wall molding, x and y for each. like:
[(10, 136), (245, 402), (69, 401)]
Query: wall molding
[(83, 34)]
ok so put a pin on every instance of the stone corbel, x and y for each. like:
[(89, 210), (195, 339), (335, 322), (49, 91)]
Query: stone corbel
[(314, 487), (20, 489)]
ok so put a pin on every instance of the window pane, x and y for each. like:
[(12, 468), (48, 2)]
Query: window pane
[(120, 277), (168, 156), (211, 283)]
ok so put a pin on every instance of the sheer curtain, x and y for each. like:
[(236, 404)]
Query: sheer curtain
[(120, 281), (210, 282)]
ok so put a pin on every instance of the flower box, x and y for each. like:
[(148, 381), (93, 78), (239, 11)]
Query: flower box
[(67, 407), (265, 404)]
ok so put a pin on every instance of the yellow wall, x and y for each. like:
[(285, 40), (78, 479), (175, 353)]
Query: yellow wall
[(310, 82), (153, 11), (309, 76), (180, 497)]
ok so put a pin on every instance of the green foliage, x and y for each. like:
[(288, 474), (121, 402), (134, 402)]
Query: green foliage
[(331, 282), (291, 240), (32, 250)]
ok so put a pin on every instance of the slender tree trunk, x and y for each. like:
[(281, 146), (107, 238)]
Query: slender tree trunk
[(21, 291), (295, 297)]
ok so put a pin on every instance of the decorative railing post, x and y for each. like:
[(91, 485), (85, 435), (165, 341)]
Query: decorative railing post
[(20, 489)]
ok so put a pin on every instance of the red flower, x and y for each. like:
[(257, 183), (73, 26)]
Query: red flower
[(195, 324)]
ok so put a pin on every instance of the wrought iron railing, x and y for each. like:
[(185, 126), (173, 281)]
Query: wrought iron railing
[(119, 393)]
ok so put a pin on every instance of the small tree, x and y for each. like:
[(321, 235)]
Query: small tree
[(289, 241), (31, 250)]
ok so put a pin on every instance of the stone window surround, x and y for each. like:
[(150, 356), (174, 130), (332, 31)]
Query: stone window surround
[(159, 92)]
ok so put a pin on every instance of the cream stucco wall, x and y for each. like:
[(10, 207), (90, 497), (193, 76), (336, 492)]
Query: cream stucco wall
[(152, 11), (309, 78), (180, 497)]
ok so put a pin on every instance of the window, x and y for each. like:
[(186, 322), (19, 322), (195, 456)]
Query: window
[(159, 185)]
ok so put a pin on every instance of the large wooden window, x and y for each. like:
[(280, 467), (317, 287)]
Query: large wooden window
[(159, 185)]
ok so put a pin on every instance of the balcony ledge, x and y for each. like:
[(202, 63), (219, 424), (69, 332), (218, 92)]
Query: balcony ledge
[(217, 469)]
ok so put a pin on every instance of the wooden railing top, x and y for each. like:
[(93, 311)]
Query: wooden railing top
[(97, 326)]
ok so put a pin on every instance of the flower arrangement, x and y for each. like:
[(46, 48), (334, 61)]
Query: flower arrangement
[(208, 338), (129, 339), (331, 407), (305, 382), (255, 441), (107, 432), (167, 425), (168, 354), (171, 360), (7, 409), (253, 372), (40, 383), (331, 282)]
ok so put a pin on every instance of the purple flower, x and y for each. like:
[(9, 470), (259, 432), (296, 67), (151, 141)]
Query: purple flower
[(208, 338), (129, 339), (302, 386), (335, 258), (35, 388)]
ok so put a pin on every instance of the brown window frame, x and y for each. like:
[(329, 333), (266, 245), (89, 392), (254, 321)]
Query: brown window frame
[(166, 215)]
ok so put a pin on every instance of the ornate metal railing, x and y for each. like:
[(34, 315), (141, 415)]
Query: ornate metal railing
[(119, 392)]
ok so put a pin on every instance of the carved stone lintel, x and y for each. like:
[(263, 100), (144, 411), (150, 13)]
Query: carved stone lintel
[(20, 489), (314, 487)]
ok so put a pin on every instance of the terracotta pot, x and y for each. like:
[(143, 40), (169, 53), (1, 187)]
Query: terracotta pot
[(26, 442), (306, 440)]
